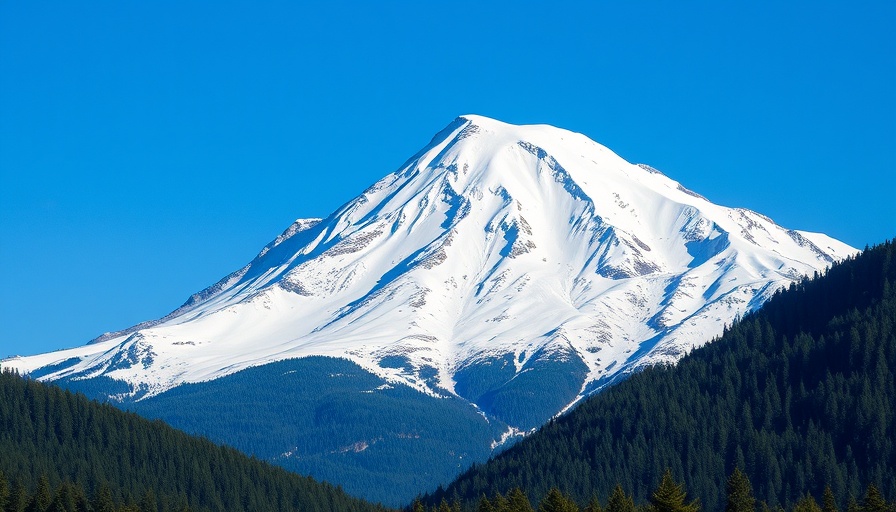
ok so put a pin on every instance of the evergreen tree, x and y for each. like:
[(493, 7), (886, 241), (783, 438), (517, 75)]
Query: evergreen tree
[(670, 496), (65, 499), (739, 493), (500, 503), (806, 504), (517, 501), (40, 500), (148, 502), (874, 501), (556, 501), (18, 498), (484, 505), (828, 502), (102, 500), (619, 501), (593, 505)]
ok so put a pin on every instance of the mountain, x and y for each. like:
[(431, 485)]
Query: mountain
[(496, 278), (798, 395), (47, 432)]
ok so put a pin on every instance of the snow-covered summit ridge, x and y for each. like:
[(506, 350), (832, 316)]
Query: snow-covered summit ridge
[(495, 240)]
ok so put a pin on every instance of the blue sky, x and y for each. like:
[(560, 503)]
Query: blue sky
[(149, 148)]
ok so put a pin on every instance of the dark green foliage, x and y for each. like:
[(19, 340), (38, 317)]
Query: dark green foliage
[(739, 493), (556, 501), (619, 501), (593, 505), (799, 395), (670, 496), (517, 501), (531, 397), (806, 504), (49, 436), (40, 500), (874, 501), (332, 419), (4, 491), (829, 502)]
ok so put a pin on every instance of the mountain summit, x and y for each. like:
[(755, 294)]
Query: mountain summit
[(519, 268)]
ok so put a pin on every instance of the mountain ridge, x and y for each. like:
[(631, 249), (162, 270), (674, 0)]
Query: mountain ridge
[(473, 201)]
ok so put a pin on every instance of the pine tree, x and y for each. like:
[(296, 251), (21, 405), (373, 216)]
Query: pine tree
[(500, 503), (517, 501), (484, 505), (829, 503), (594, 505), (740, 493), (148, 502), (102, 500), (619, 501), (40, 500), (18, 498), (64, 499), (670, 496), (874, 501), (806, 504), (556, 501)]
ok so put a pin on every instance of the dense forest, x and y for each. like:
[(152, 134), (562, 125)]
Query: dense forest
[(799, 394), (330, 418), (669, 496), (62, 450)]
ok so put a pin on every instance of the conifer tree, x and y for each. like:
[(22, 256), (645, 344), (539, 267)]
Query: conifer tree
[(739, 493), (64, 499), (670, 496), (806, 504), (40, 500), (517, 501), (829, 503), (556, 501), (148, 502), (500, 503), (619, 501), (18, 498), (102, 500), (594, 505), (485, 505), (874, 501)]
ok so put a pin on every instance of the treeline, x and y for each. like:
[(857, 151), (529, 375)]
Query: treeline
[(669, 496), (799, 394), (69, 497), (57, 444)]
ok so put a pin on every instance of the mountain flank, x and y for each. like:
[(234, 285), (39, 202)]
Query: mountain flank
[(798, 395), (50, 437)]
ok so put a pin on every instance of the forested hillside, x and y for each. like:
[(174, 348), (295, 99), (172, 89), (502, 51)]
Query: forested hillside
[(799, 395), (52, 439)]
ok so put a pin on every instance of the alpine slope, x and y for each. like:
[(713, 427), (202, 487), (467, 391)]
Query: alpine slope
[(494, 258)]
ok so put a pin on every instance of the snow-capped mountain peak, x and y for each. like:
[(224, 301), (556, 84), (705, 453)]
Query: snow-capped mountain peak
[(497, 248)]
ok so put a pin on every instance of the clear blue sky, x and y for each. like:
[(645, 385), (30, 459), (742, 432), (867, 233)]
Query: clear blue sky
[(149, 148)]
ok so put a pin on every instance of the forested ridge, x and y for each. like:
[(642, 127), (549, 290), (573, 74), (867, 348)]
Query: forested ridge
[(61, 449), (799, 395)]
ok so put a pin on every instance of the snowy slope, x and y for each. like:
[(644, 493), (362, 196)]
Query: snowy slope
[(496, 242)]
